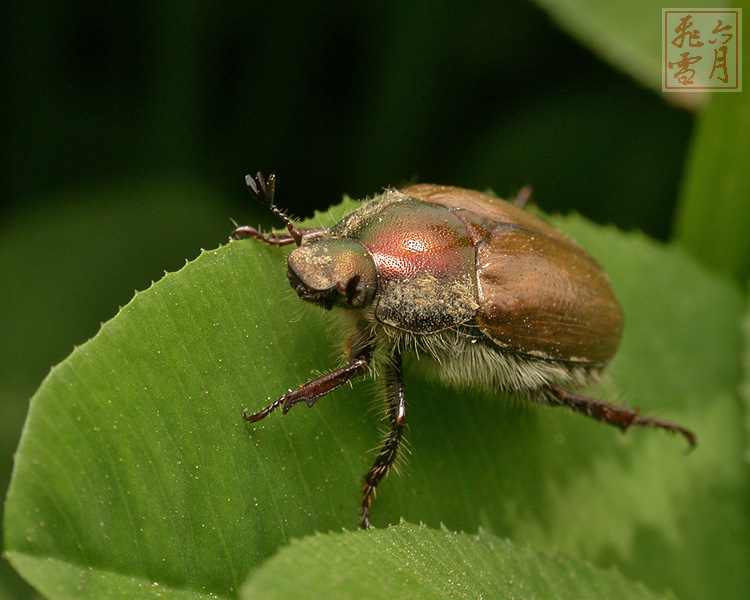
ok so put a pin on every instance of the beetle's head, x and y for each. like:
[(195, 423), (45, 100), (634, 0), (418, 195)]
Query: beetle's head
[(333, 272)]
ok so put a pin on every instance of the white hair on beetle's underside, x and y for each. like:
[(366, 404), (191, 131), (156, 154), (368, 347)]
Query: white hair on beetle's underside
[(462, 357)]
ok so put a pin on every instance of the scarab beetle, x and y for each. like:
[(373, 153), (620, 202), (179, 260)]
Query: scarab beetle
[(495, 295)]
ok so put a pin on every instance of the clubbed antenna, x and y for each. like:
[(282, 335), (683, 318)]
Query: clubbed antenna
[(263, 190)]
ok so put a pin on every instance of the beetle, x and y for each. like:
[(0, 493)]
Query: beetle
[(494, 295)]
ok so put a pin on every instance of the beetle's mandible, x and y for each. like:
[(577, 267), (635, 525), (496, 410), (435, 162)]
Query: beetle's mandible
[(495, 295)]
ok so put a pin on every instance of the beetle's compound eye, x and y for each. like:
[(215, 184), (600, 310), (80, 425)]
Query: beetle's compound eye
[(333, 272), (353, 291)]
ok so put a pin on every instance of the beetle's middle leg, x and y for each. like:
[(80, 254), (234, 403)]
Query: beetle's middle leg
[(389, 451), (612, 414)]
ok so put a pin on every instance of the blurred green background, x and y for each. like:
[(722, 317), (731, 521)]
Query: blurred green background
[(127, 129)]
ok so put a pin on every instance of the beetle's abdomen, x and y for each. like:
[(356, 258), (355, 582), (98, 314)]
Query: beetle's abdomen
[(545, 297), (539, 293)]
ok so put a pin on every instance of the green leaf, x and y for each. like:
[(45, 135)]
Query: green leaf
[(69, 260), (626, 33), (713, 218), (136, 470), (410, 561), (745, 387)]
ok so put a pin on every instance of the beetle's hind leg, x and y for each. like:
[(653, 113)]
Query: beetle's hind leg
[(523, 196), (389, 450), (612, 414)]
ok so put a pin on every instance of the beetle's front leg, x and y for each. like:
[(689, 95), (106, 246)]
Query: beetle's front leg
[(389, 451), (264, 190), (315, 388), (275, 239)]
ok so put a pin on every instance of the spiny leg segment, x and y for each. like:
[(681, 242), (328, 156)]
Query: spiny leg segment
[(612, 414), (314, 389), (389, 451)]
